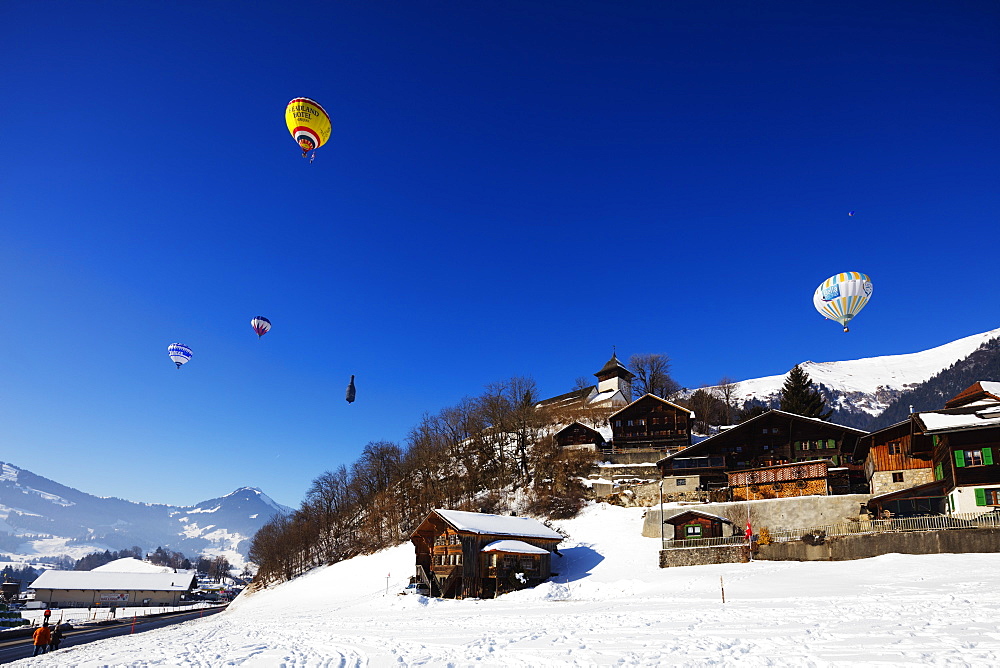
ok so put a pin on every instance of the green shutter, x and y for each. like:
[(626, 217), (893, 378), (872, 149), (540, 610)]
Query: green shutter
[(980, 496), (951, 502), (798, 445), (959, 458), (987, 455), (939, 472), (934, 438)]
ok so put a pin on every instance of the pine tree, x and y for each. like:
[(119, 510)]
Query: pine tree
[(799, 397)]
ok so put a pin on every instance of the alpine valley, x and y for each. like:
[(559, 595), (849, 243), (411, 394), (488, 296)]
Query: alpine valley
[(41, 518)]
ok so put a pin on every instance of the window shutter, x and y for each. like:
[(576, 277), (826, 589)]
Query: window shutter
[(987, 455), (939, 472), (959, 458), (934, 438), (980, 496)]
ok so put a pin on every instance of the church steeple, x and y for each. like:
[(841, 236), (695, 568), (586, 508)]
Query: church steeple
[(615, 376)]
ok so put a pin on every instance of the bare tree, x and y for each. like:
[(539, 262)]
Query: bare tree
[(726, 391), (652, 376)]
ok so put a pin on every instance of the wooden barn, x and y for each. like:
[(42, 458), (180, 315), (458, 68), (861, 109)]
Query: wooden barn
[(468, 555), (577, 436)]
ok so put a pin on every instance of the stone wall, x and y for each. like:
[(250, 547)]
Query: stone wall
[(775, 514), (700, 556), (881, 482), (845, 548)]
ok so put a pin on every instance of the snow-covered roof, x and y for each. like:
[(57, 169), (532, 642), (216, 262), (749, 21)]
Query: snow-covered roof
[(497, 525), (517, 546), (939, 422), (104, 580), (132, 565), (991, 386)]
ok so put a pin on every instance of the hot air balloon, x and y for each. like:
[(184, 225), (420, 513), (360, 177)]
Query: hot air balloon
[(351, 391), (850, 213), (842, 296), (308, 122), (179, 353), (261, 325)]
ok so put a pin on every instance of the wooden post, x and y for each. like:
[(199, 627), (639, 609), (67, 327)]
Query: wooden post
[(723, 588)]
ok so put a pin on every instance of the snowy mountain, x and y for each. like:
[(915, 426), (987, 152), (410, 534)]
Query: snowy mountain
[(860, 390), (40, 517)]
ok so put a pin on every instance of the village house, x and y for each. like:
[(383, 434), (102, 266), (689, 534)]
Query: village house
[(958, 445), (965, 447), (578, 436), (83, 589), (695, 525), (462, 554), (772, 439), (651, 424), (895, 458)]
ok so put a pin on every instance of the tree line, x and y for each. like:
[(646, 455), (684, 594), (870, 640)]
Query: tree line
[(490, 453)]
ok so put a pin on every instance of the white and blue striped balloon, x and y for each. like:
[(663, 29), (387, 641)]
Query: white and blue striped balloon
[(179, 353)]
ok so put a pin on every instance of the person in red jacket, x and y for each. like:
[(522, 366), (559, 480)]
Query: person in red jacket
[(41, 639)]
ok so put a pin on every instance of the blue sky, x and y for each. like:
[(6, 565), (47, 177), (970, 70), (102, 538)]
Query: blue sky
[(511, 188)]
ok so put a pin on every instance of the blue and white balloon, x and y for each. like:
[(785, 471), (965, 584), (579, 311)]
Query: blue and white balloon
[(179, 353)]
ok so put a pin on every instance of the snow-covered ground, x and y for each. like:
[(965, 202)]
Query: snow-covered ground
[(609, 605)]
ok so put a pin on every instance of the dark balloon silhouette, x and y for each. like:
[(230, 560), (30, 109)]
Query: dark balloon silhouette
[(352, 392)]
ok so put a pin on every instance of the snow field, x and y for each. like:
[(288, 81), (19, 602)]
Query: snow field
[(609, 605)]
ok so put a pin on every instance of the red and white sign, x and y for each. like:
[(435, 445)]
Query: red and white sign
[(114, 598)]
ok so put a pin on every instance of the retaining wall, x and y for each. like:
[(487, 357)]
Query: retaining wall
[(845, 548), (775, 514), (701, 556)]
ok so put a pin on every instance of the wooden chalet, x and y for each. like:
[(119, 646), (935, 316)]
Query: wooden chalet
[(965, 447), (895, 458), (771, 439), (787, 480), (651, 424), (695, 524), (577, 436), (462, 554)]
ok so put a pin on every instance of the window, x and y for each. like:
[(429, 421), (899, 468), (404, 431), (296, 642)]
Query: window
[(895, 448), (805, 445), (897, 477), (774, 430), (992, 496), (830, 443), (642, 422), (618, 423), (764, 430), (681, 482), (628, 423), (692, 531), (973, 457)]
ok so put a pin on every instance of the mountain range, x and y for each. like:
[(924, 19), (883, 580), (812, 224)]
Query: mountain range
[(876, 392), (42, 518)]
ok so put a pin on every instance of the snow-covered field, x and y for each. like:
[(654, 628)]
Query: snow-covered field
[(610, 605)]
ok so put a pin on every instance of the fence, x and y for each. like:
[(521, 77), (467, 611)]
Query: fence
[(859, 527)]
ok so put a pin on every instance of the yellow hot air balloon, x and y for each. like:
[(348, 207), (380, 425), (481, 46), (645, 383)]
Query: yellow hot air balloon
[(308, 122)]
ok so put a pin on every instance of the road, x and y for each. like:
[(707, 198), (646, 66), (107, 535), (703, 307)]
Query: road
[(20, 648)]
